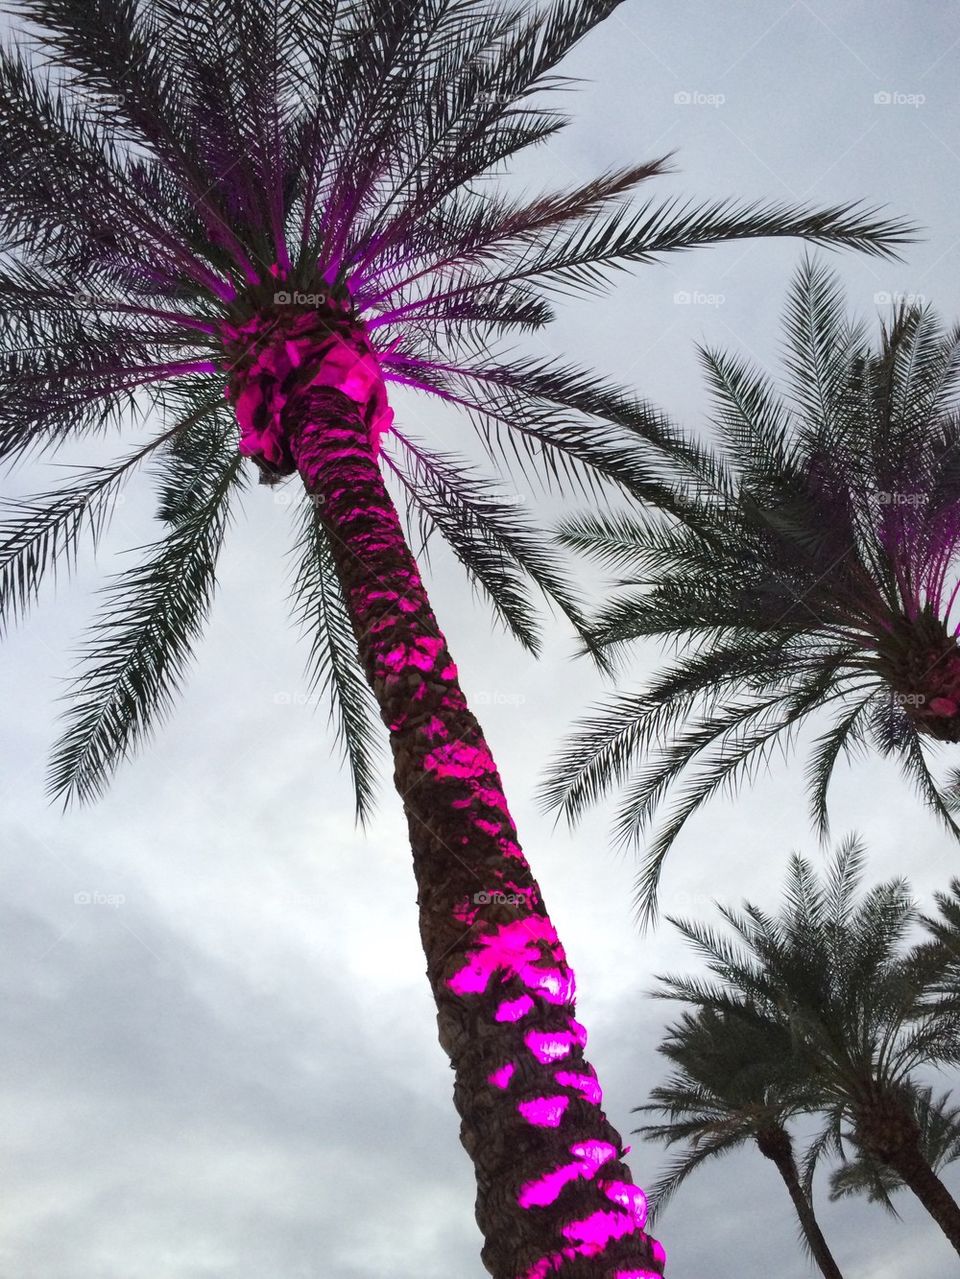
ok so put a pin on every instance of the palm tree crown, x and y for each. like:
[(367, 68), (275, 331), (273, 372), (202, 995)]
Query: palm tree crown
[(194, 191), (808, 563), (722, 1094), (836, 974), (735, 1082)]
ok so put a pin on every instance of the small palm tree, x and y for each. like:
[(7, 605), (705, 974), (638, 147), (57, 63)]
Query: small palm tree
[(944, 947), (835, 975), (939, 1124), (236, 224), (733, 1085), (807, 564)]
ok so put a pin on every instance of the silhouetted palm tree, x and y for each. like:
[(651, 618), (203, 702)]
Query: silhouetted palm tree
[(944, 946), (259, 214), (808, 564), (733, 1085), (939, 1125), (834, 973)]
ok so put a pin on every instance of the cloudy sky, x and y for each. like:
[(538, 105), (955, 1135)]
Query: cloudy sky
[(219, 1054)]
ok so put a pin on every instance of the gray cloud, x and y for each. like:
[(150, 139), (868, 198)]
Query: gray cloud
[(234, 1072)]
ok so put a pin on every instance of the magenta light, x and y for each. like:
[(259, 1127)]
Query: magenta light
[(630, 1197), (588, 1085), (596, 1231), (589, 1157), (514, 1009), (549, 1045), (544, 1112), (511, 948), (502, 1076)]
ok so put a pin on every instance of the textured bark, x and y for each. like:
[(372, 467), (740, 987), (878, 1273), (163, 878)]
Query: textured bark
[(553, 1195), (887, 1130), (776, 1145)]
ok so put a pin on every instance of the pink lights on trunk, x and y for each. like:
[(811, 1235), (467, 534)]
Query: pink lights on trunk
[(544, 1112), (587, 1085), (489, 940), (502, 1076), (512, 949), (630, 1197), (284, 352), (549, 1045), (589, 1156), (514, 1009)]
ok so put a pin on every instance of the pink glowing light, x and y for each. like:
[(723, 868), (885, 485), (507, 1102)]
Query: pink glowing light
[(549, 1045), (630, 1197), (658, 1252), (460, 760), (544, 1191), (588, 1085), (544, 1112), (511, 948), (514, 1009), (502, 1076), (596, 1231)]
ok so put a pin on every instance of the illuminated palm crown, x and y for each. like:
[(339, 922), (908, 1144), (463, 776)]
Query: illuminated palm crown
[(191, 185), (810, 565)]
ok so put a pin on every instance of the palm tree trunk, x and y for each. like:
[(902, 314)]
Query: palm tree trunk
[(886, 1128), (553, 1195), (781, 1154), (915, 1172)]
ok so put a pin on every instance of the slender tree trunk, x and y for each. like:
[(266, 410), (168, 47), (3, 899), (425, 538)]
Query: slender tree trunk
[(887, 1129), (777, 1147), (554, 1196), (916, 1173)]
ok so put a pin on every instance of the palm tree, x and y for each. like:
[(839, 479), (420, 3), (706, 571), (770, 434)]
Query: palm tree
[(257, 214), (939, 1125), (734, 1084), (807, 564), (944, 946), (835, 975)]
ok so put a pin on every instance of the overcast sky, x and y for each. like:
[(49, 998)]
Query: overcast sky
[(219, 1054)]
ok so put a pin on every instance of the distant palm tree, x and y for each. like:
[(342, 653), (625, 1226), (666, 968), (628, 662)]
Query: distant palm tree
[(939, 1125), (734, 1085), (808, 563), (834, 973), (944, 945), (257, 215)]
